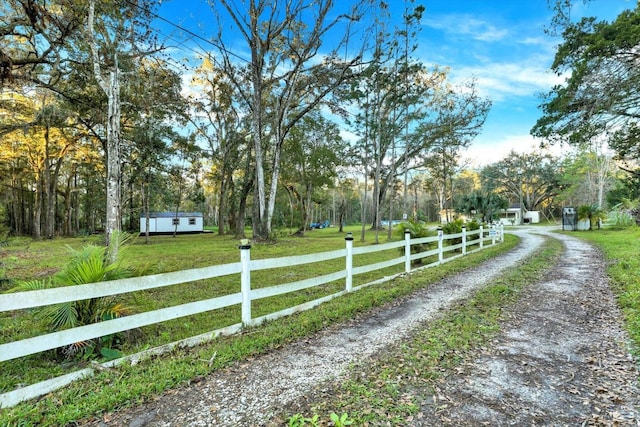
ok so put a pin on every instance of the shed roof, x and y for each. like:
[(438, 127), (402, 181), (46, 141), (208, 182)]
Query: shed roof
[(172, 215)]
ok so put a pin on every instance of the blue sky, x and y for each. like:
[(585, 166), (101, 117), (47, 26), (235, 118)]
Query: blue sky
[(499, 43), (502, 45)]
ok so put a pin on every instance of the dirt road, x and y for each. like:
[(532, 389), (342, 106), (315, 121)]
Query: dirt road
[(561, 358)]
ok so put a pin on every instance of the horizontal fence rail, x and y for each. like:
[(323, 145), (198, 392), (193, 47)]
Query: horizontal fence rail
[(32, 299)]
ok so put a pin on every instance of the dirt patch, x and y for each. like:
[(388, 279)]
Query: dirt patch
[(561, 359)]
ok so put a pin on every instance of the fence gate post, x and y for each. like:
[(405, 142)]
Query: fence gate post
[(464, 239), (407, 251), (481, 236), (440, 239), (501, 232), (493, 234), (245, 280), (349, 261)]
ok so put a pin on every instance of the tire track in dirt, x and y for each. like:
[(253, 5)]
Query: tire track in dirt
[(561, 358)]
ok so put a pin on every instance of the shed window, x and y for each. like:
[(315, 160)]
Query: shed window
[(176, 221), (192, 221)]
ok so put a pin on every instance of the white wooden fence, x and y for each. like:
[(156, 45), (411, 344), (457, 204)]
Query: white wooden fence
[(31, 299)]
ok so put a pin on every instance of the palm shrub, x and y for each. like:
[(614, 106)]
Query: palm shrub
[(455, 227), (417, 230), (90, 264), (593, 213)]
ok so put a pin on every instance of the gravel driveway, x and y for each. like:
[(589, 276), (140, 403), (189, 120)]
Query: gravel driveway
[(560, 359)]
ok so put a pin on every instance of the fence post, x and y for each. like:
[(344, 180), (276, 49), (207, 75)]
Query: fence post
[(245, 280), (501, 232), (440, 239), (407, 251), (493, 234), (349, 261), (481, 236), (464, 239)]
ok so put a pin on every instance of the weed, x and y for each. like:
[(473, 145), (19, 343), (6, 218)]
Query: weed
[(342, 420), (299, 420)]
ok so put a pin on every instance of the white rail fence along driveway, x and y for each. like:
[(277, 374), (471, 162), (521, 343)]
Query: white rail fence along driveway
[(246, 295)]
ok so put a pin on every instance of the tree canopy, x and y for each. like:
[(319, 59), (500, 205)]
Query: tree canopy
[(92, 110), (600, 99)]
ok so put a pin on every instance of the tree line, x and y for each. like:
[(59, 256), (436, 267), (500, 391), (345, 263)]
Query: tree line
[(99, 128)]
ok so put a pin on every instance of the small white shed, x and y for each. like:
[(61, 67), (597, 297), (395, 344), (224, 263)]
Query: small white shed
[(169, 222), (510, 216), (532, 217)]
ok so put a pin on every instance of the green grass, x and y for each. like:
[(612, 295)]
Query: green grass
[(391, 390), (128, 385), (622, 251)]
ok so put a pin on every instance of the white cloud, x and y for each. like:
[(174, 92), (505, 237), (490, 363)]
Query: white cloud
[(499, 81), (482, 153), (467, 25)]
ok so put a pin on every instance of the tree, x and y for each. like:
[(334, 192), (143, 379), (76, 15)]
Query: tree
[(33, 37), (313, 152), (287, 79), (118, 24), (625, 187), (484, 204), (46, 50), (600, 99), (442, 120), (588, 176), (592, 213), (152, 108), (532, 179), (111, 88), (45, 143), (219, 124)]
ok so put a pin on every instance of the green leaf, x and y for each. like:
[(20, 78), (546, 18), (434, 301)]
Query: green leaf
[(110, 353)]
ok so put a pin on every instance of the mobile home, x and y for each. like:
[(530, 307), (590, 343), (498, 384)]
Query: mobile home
[(170, 222)]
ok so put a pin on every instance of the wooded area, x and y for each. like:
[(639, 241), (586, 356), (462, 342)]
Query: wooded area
[(99, 127)]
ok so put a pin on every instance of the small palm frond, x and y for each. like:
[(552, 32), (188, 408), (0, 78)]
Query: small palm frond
[(32, 285), (113, 311), (61, 316), (87, 266), (91, 265)]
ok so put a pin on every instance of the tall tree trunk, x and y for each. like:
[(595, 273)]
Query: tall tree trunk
[(47, 198), (76, 203), (114, 176), (275, 173), (66, 217), (146, 196), (112, 90), (37, 210), (342, 209), (222, 205), (248, 183)]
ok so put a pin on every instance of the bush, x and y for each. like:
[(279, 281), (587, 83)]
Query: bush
[(417, 230), (620, 220), (91, 264), (455, 227)]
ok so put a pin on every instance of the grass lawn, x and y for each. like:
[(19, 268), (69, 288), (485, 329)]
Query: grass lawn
[(130, 384), (622, 250)]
